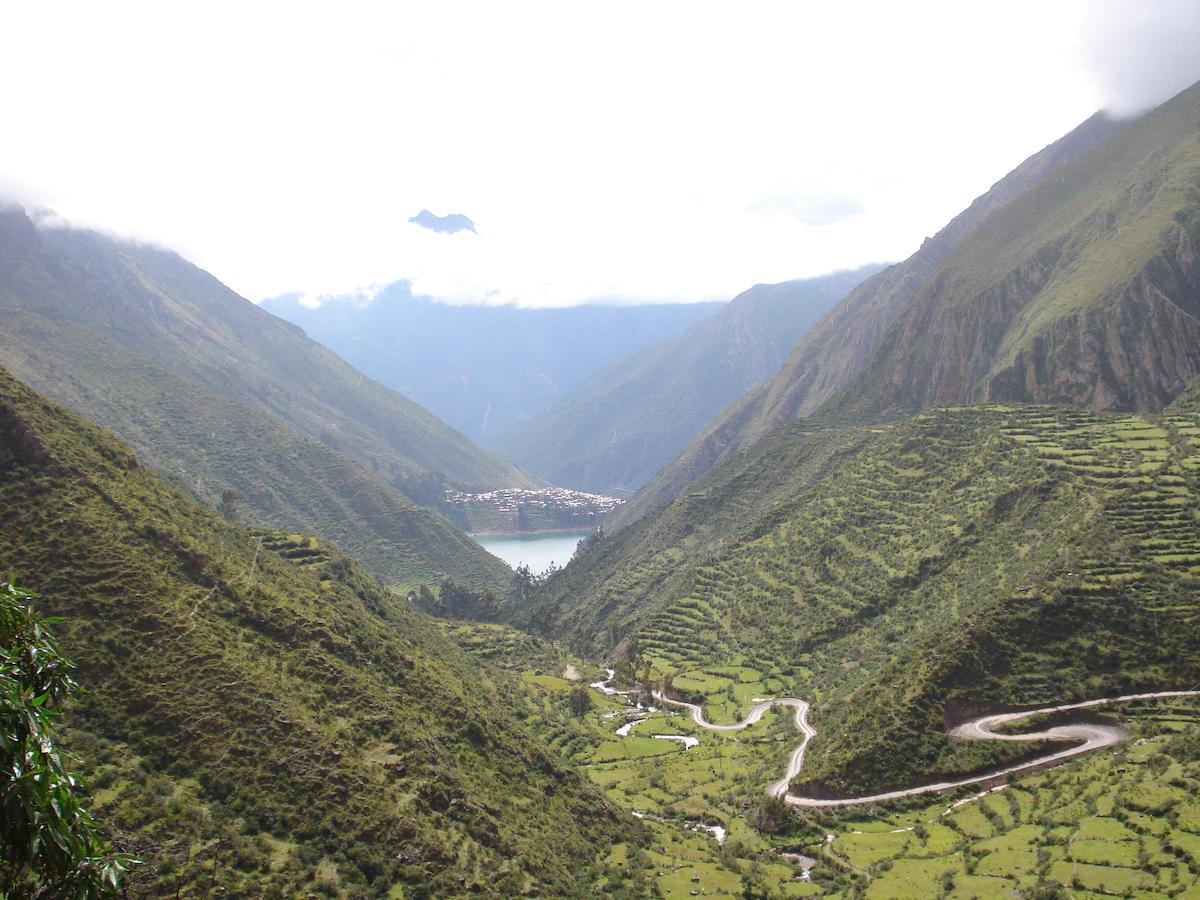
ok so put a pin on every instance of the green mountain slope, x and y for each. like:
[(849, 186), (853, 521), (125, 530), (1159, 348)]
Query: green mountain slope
[(1084, 290), (261, 718), (906, 575), (156, 305), (597, 600), (207, 443), (839, 347), (613, 432)]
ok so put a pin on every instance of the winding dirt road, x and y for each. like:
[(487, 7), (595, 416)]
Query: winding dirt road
[(795, 761), (1088, 738)]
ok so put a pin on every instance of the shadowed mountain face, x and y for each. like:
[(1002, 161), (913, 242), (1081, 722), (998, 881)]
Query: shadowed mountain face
[(614, 431), (222, 396), (484, 369), (838, 348), (269, 718), (1084, 290)]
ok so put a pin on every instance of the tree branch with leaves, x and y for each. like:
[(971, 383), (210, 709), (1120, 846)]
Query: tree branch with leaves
[(50, 846)]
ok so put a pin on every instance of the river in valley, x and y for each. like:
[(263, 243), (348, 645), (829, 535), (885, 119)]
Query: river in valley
[(534, 550)]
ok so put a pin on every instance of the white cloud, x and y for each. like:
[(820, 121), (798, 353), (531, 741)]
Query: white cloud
[(620, 150), (1142, 53), (809, 209)]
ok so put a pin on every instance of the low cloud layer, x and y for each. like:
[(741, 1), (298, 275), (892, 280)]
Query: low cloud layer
[(783, 141), (816, 210), (1142, 53)]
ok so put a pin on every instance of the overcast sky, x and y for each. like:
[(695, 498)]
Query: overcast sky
[(630, 151)]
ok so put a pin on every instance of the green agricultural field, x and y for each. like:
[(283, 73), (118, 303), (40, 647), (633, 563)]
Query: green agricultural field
[(1123, 822), (1079, 827), (1001, 554)]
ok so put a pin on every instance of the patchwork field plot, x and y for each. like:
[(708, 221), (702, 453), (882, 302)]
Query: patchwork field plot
[(999, 554), (1081, 829)]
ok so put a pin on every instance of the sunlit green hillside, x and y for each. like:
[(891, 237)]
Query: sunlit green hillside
[(1002, 554), (261, 717)]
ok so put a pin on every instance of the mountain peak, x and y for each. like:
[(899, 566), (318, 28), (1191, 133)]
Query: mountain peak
[(451, 224)]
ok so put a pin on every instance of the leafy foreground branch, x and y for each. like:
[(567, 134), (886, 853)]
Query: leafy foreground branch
[(50, 846)]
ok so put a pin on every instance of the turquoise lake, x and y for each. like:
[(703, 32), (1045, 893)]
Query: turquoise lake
[(534, 550)]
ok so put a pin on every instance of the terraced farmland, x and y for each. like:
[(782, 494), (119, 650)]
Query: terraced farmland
[(1001, 554), (1123, 823)]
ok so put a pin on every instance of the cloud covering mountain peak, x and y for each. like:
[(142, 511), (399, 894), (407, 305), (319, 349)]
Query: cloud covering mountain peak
[(451, 224)]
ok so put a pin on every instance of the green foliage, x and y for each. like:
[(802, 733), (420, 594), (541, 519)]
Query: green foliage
[(579, 701), (504, 647), (265, 718), (228, 507), (772, 814), (50, 846), (594, 602)]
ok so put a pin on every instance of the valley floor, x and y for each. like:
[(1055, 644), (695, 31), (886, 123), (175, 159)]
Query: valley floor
[(1119, 819)]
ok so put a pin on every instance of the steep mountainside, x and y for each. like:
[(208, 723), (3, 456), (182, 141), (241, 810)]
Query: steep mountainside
[(595, 602), (899, 576), (261, 718), (156, 305), (1084, 290), (838, 348), (484, 369), (207, 443), (614, 431)]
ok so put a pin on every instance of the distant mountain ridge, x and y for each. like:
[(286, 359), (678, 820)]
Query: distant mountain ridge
[(483, 369), (628, 420)]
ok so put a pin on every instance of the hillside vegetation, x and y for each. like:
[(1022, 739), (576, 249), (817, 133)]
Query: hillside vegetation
[(910, 573), (1116, 824), (614, 431), (225, 399), (839, 347), (261, 718), (208, 444)]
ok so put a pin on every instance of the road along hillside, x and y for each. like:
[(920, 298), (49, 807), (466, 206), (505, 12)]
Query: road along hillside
[(1083, 739)]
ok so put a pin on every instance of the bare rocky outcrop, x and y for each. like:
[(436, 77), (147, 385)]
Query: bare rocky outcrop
[(1137, 353), (1135, 347)]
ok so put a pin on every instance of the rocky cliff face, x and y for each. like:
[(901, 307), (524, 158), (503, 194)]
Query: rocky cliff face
[(1083, 292), (841, 345), (1137, 353)]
